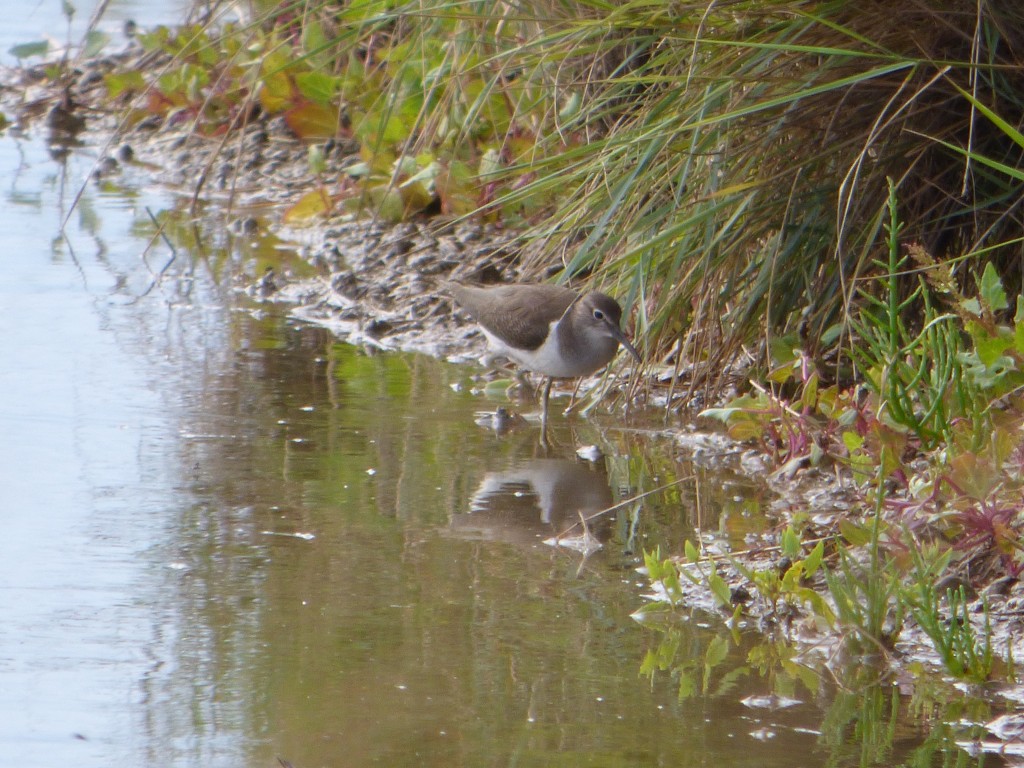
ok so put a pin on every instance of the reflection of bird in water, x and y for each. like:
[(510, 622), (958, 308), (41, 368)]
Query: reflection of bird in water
[(539, 499)]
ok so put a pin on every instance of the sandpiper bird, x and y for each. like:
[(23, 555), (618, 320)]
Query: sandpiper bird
[(547, 329)]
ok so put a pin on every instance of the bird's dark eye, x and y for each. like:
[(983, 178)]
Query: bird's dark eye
[(598, 314)]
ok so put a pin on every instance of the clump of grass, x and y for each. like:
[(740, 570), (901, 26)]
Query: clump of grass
[(740, 190), (964, 654)]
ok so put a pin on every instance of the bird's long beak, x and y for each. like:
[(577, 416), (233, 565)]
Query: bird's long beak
[(624, 341)]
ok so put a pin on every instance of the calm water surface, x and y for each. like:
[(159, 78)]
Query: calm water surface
[(229, 538)]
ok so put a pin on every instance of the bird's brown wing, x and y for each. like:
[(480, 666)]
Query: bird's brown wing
[(519, 315)]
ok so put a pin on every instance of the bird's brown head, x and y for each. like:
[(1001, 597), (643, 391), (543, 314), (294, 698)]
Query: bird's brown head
[(599, 316)]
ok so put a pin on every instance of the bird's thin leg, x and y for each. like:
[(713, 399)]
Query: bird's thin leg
[(544, 413), (572, 400)]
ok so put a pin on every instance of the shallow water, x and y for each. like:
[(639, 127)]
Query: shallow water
[(230, 538)]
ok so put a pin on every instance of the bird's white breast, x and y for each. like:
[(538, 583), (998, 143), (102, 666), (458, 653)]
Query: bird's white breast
[(546, 359)]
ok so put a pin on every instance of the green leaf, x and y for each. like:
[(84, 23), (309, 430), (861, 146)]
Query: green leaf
[(818, 605), (387, 202), (989, 348), (316, 45), (720, 414), (425, 169), (790, 543), (121, 82), (25, 50), (974, 475), (817, 453), (852, 441), (972, 306), (95, 42), (691, 552), (406, 166), (718, 650), (498, 386), (310, 206), (313, 121), (791, 579), (359, 170), (315, 158), (809, 396), (856, 535), (687, 685), (490, 164), (813, 561), (719, 589), (455, 184), (379, 129), (991, 289), (743, 416), (416, 196), (276, 92), (1018, 326), (318, 86)]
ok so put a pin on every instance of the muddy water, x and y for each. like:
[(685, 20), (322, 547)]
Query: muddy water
[(229, 538)]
